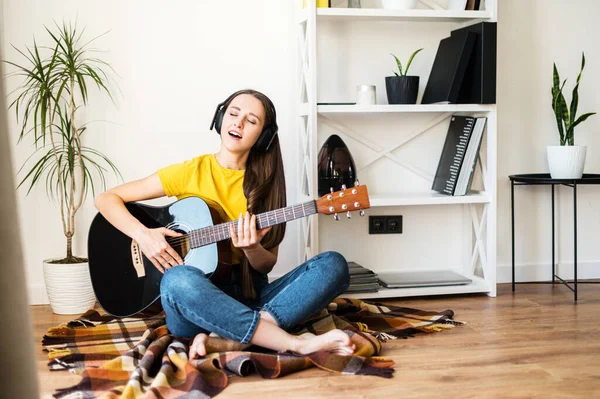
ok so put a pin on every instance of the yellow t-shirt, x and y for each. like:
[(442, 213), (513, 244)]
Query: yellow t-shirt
[(203, 177)]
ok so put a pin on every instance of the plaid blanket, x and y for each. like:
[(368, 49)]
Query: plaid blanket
[(138, 358)]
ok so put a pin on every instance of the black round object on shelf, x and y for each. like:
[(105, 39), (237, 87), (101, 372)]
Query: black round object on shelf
[(335, 166)]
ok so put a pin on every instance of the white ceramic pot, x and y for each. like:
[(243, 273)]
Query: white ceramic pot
[(457, 5), (566, 161), (69, 287), (399, 4)]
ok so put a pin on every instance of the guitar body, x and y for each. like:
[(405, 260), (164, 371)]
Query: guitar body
[(124, 280), (126, 283)]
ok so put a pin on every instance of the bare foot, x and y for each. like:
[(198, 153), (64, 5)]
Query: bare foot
[(335, 341), (203, 344)]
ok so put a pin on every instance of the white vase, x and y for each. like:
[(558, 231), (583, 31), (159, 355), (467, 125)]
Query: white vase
[(566, 161), (69, 287), (457, 5), (399, 4)]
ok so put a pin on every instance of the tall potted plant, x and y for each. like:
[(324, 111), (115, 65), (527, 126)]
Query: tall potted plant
[(401, 88), (566, 161), (54, 90)]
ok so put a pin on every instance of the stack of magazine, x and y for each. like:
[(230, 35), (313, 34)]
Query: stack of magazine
[(362, 279)]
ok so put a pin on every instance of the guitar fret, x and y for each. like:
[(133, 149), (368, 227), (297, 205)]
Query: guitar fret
[(262, 221), (215, 233)]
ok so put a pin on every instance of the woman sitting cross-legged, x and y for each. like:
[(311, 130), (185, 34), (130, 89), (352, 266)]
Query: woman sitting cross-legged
[(244, 178)]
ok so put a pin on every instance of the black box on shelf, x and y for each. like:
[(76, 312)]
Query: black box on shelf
[(479, 82), (449, 67)]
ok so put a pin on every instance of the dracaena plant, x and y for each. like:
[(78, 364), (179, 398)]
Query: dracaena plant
[(566, 118), (55, 85), (399, 64)]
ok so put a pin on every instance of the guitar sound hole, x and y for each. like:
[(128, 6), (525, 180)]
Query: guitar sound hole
[(180, 244)]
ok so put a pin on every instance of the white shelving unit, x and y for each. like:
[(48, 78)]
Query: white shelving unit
[(480, 206)]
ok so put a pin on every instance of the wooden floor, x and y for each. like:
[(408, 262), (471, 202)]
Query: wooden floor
[(532, 344)]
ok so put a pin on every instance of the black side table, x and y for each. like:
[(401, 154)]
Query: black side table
[(544, 178)]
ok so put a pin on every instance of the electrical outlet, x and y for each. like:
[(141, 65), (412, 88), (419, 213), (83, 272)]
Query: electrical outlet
[(377, 224), (393, 224), (385, 224)]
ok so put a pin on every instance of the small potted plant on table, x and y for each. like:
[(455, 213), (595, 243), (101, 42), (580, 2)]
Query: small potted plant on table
[(566, 161)]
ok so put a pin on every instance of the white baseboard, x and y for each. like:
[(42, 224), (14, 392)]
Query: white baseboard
[(538, 272)]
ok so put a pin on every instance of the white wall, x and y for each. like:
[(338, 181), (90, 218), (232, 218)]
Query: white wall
[(533, 35), (176, 62)]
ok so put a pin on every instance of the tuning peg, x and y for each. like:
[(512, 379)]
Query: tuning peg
[(361, 213), (331, 189), (348, 215), (343, 186), (336, 217)]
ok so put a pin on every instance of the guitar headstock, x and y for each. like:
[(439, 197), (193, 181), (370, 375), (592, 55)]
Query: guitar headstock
[(346, 200)]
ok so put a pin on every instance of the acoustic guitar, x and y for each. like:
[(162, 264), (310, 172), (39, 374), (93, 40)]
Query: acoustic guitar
[(127, 283)]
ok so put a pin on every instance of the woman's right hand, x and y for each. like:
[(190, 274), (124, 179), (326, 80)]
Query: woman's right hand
[(153, 244)]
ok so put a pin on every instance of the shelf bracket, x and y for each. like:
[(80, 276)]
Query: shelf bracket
[(478, 247)]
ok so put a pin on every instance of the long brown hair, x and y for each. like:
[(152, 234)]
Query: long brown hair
[(264, 184)]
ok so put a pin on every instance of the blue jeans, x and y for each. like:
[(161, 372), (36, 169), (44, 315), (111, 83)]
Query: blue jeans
[(193, 304)]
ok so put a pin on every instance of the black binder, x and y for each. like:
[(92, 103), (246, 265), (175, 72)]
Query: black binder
[(479, 83), (449, 68), (453, 154)]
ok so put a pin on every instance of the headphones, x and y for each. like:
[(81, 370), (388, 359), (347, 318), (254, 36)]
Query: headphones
[(268, 133)]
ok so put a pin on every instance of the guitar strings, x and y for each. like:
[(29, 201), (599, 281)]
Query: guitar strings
[(263, 217), (215, 228)]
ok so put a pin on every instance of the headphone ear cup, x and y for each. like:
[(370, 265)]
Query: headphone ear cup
[(265, 139), (219, 120)]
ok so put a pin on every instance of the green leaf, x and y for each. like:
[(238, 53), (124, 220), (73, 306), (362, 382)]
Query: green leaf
[(575, 96), (398, 63), (557, 104), (411, 59), (582, 118)]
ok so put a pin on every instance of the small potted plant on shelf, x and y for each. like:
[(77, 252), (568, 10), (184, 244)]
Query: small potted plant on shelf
[(401, 88), (566, 161), (55, 88)]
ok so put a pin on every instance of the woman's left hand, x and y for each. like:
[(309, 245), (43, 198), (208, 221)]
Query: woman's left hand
[(247, 236)]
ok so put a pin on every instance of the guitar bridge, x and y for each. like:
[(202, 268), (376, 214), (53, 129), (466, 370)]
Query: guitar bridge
[(137, 259)]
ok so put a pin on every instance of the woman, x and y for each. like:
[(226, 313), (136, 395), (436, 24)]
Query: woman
[(245, 177)]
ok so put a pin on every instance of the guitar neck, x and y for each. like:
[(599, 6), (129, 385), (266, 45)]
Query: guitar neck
[(219, 232)]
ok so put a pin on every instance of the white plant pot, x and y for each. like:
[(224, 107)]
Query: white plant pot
[(399, 4), (457, 5), (69, 287), (566, 161)]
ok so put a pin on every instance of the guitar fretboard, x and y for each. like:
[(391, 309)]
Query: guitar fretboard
[(212, 234)]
